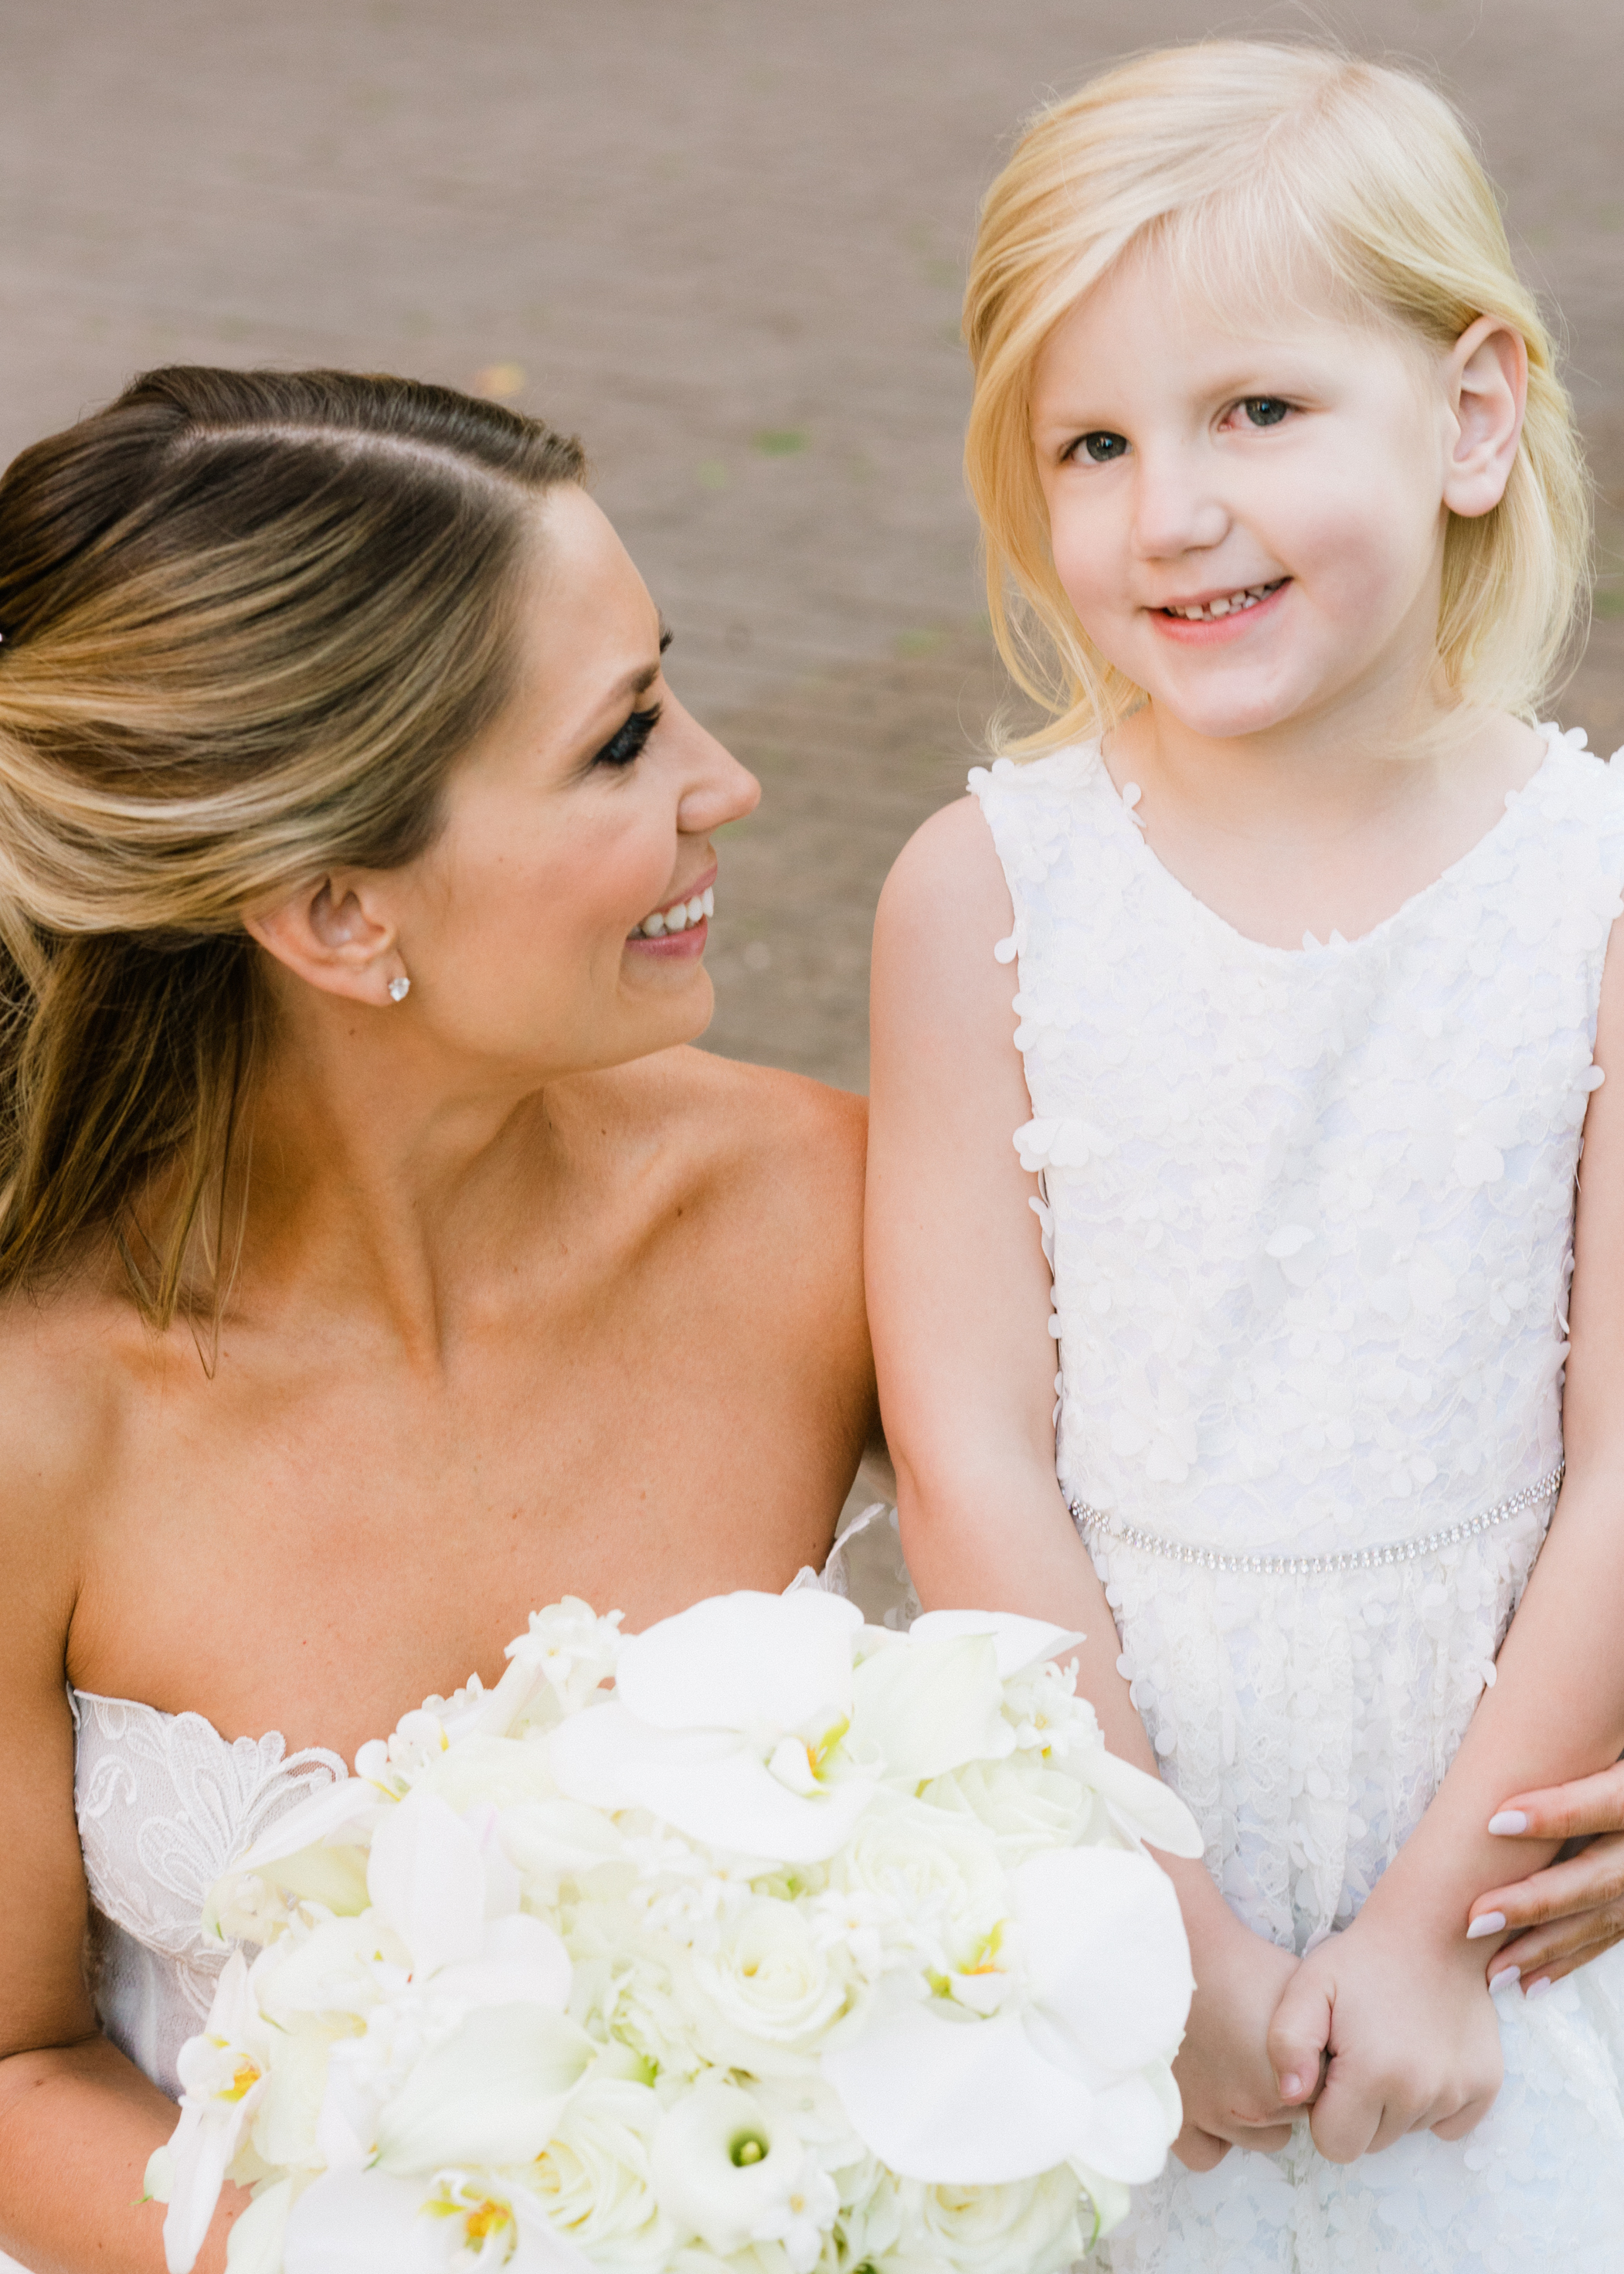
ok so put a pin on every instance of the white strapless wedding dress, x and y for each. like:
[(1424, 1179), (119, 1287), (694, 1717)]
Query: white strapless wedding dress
[(166, 1804)]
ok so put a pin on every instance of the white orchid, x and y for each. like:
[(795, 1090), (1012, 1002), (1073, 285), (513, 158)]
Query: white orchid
[(222, 2077), (1089, 1990), (727, 1722), (370, 2222)]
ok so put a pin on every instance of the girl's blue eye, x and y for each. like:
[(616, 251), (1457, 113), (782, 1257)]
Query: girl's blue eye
[(1265, 410), (629, 742), (1101, 447)]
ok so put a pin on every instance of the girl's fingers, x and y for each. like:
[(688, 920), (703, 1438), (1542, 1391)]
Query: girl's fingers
[(1297, 2038), (1565, 1811), (1583, 1883)]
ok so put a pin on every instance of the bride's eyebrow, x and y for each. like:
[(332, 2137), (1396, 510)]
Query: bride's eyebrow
[(640, 681)]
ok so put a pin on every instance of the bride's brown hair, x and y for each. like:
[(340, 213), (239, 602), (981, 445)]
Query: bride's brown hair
[(248, 621)]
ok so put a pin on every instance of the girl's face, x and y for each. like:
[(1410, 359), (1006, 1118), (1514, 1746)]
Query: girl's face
[(559, 922), (1249, 524)]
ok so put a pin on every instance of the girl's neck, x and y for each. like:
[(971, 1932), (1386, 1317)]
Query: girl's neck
[(1332, 827)]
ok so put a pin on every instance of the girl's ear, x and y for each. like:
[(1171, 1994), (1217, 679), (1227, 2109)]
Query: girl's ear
[(1486, 378), (328, 935)]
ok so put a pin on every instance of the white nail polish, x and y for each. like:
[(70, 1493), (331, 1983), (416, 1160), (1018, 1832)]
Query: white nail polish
[(1491, 1923), (1538, 1989), (1508, 1823), (1505, 1979)]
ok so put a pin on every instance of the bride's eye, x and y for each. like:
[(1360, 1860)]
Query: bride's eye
[(1264, 410), (1099, 447), (629, 742)]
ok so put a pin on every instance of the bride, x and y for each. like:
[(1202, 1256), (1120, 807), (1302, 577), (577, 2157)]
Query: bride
[(376, 1265)]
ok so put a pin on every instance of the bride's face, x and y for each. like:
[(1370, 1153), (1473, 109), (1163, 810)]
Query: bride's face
[(559, 922)]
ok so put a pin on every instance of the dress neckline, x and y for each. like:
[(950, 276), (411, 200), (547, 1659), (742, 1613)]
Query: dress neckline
[(1123, 818), (162, 1714)]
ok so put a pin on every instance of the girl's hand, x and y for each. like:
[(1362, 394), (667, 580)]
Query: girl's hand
[(1223, 2073), (1575, 1905), (1408, 2029)]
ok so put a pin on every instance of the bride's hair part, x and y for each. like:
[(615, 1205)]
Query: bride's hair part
[(251, 618), (1267, 175)]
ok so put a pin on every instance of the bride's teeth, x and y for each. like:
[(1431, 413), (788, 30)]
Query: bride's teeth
[(707, 900), (676, 919), (679, 918), (652, 927), (696, 909)]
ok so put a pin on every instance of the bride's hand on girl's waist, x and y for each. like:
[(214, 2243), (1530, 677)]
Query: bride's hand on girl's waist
[(1573, 1910)]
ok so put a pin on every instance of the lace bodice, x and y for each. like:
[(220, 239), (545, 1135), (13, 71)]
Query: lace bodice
[(166, 1804), (1309, 1214)]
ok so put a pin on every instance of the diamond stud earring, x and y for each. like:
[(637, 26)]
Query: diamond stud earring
[(400, 988)]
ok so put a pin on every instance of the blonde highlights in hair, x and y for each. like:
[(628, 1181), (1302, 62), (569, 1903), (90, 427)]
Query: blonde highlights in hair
[(1258, 170), (248, 621)]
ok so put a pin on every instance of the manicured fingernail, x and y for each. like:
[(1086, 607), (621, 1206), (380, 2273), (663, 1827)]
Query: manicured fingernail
[(1538, 1989), (1505, 1978), (1509, 1821), (1485, 1923), (1289, 2087)]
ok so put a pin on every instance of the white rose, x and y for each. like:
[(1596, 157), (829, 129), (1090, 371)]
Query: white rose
[(938, 1874), (768, 1978), (595, 2180), (1026, 2226), (633, 1990), (1025, 1805)]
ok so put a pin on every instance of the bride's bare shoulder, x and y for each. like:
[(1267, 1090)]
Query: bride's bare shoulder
[(58, 1425)]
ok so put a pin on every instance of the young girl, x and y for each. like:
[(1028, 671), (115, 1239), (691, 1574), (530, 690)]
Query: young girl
[(1310, 929)]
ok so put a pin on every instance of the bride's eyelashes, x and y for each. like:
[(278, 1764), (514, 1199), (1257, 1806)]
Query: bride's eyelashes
[(630, 741)]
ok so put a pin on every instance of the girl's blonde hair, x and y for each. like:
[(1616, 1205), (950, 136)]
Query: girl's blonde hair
[(248, 621), (1264, 171)]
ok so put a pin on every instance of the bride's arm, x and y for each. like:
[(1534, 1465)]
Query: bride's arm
[(77, 2121), (958, 1304)]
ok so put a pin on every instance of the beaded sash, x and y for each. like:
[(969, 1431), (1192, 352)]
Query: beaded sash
[(1095, 1523)]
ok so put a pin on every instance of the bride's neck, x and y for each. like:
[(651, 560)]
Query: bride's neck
[(375, 1175)]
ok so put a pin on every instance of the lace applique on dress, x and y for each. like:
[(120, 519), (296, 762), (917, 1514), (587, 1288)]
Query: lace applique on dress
[(1310, 1219), (165, 1803)]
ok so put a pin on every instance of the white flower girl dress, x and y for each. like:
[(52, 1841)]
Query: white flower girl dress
[(1310, 1219)]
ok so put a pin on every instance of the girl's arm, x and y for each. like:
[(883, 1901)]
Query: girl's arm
[(1399, 2001), (958, 1303)]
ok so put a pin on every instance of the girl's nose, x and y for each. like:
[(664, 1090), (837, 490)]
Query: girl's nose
[(1175, 510), (716, 787)]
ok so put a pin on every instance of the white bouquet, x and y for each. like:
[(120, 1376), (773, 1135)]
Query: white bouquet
[(805, 1947)]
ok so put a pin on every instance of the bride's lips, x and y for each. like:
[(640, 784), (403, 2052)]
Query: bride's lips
[(688, 943), (1218, 631)]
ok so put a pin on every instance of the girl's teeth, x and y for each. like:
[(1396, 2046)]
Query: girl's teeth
[(1233, 607), (679, 917)]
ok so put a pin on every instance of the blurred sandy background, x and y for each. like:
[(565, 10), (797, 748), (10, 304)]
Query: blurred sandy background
[(725, 241)]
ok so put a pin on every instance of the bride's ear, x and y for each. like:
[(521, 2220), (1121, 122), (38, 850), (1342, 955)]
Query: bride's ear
[(330, 935)]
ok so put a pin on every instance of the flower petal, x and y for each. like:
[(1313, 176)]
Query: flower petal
[(1141, 1804), (931, 1707), (1019, 1643), (425, 1875), (254, 2245), (490, 2093), (1105, 1956), (520, 1959), (362, 2223), (743, 1662), (706, 1783)]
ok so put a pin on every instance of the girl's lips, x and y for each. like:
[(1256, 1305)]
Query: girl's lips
[(1221, 630)]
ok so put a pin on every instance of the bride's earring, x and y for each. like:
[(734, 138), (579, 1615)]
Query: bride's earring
[(400, 988)]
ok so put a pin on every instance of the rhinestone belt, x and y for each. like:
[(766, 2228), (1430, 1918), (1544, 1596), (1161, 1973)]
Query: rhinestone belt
[(1092, 1522)]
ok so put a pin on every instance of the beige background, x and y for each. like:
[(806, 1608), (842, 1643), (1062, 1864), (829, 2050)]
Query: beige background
[(723, 239)]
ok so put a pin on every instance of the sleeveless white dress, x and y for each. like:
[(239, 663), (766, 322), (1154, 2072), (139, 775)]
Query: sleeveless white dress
[(1310, 1219)]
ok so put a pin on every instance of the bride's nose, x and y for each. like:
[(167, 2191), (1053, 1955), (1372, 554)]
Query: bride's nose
[(716, 787)]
